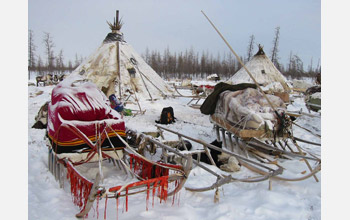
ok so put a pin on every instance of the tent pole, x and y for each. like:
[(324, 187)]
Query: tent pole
[(150, 81), (118, 71), (137, 100), (146, 86)]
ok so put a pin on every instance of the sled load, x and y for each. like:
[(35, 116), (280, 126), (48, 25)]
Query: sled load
[(313, 95), (243, 107), (74, 109), (213, 77), (313, 98)]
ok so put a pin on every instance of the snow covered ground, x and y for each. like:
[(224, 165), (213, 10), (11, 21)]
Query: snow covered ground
[(286, 200)]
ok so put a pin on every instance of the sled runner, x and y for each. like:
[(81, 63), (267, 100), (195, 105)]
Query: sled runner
[(221, 179)]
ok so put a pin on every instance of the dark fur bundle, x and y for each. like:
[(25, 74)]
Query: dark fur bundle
[(167, 116), (214, 154)]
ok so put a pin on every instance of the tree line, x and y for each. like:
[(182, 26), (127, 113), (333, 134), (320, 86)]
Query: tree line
[(53, 62), (191, 64), (172, 65)]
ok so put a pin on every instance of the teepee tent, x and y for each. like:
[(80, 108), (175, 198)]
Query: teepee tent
[(116, 68), (264, 72)]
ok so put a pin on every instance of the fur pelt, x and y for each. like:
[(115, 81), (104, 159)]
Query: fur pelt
[(41, 117), (223, 161)]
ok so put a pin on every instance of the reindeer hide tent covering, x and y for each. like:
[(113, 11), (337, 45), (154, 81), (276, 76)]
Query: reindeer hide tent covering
[(134, 74), (82, 106), (264, 72)]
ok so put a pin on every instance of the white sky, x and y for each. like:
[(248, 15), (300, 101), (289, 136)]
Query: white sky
[(80, 26)]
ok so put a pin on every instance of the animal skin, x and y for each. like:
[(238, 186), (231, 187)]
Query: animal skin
[(214, 154), (222, 160)]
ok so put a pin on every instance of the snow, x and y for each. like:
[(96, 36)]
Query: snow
[(301, 84), (286, 200)]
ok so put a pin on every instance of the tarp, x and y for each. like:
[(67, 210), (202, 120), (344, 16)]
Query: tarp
[(86, 108)]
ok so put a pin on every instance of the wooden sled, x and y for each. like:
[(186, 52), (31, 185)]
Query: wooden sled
[(151, 178), (194, 98), (221, 179), (264, 147)]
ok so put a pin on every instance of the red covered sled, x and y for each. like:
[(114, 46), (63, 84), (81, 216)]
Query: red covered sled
[(83, 130)]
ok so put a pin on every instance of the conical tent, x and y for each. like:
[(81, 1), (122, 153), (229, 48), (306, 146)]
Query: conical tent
[(264, 72), (115, 67)]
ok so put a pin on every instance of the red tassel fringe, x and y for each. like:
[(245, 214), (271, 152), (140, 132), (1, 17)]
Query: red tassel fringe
[(155, 176), (80, 187)]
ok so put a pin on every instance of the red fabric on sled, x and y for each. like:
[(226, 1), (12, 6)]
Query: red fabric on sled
[(80, 103)]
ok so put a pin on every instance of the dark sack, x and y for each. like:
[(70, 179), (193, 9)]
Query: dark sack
[(167, 116)]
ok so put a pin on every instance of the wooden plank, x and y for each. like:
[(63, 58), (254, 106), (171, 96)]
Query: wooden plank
[(237, 131), (299, 90), (251, 133), (195, 106), (293, 114)]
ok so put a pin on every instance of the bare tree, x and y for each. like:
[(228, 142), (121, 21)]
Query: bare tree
[(250, 47), (290, 61), (298, 63), (70, 65), (76, 62), (39, 66), (81, 59), (147, 55), (318, 67), (31, 52), (295, 66), (59, 62), (49, 45), (310, 68), (274, 51)]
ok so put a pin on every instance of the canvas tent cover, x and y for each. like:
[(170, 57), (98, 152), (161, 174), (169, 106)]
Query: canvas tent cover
[(85, 107)]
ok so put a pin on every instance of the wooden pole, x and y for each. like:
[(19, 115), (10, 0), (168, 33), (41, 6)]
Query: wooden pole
[(118, 71)]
